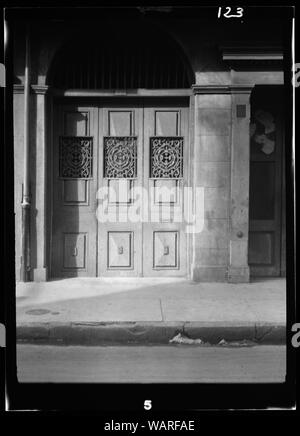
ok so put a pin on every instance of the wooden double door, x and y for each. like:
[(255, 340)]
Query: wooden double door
[(119, 169)]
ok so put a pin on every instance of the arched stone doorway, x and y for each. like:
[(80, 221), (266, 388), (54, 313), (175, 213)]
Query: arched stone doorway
[(121, 144), (120, 56)]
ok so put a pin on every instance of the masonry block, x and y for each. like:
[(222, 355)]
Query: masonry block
[(214, 234), (239, 253), (213, 174), (209, 273), (214, 148), (214, 101), (216, 203), (212, 256), (214, 121), (238, 275)]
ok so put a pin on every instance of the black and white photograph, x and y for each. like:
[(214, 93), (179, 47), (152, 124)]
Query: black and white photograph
[(149, 155)]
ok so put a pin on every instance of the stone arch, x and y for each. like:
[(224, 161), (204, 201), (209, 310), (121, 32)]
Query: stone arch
[(121, 56)]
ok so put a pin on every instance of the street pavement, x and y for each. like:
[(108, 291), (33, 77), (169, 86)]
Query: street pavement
[(83, 311), (151, 364)]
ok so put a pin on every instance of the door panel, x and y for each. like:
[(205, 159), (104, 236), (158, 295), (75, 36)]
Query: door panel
[(165, 174), (165, 249), (120, 250), (120, 122), (167, 123), (262, 190), (76, 123), (121, 145), (265, 200), (75, 192), (75, 250), (74, 229)]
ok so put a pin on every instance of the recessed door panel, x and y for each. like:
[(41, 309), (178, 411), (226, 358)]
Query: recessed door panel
[(265, 199), (75, 192), (166, 191), (167, 122), (119, 191), (120, 122), (262, 190), (261, 248), (165, 176), (74, 225), (120, 250), (74, 255), (120, 171), (76, 123), (165, 249)]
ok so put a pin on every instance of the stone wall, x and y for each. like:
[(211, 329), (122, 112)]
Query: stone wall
[(212, 171)]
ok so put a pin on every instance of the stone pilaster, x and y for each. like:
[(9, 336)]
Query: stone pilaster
[(18, 106), (212, 173), (40, 270), (238, 270)]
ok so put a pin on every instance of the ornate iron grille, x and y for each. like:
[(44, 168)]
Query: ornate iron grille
[(75, 157), (166, 157), (120, 157)]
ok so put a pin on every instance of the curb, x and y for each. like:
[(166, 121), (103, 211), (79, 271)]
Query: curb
[(144, 333)]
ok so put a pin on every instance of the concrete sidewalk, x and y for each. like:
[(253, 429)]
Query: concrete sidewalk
[(143, 310)]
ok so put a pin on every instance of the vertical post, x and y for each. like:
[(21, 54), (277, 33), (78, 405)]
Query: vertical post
[(25, 264), (39, 270), (238, 271), (212, 174)]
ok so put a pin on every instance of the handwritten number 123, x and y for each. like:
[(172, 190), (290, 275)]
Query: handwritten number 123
[(239, 12)]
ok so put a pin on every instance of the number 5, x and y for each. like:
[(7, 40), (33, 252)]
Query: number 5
[(147, 404)]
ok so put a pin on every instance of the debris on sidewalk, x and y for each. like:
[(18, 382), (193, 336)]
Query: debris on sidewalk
[(223, 342), (243, 343), (182, 339)]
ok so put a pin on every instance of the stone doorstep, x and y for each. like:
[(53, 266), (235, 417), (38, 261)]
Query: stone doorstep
[(105, 333)]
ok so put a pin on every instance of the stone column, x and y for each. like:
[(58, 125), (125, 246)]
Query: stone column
[(40, 271), (212, 173), (238, 270)]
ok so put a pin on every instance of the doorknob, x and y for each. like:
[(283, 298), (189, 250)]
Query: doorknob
[(75, 252)]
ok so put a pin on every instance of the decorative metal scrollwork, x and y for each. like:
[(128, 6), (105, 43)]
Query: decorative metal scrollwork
[(166, 157), (120, 157), (75, 157)]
